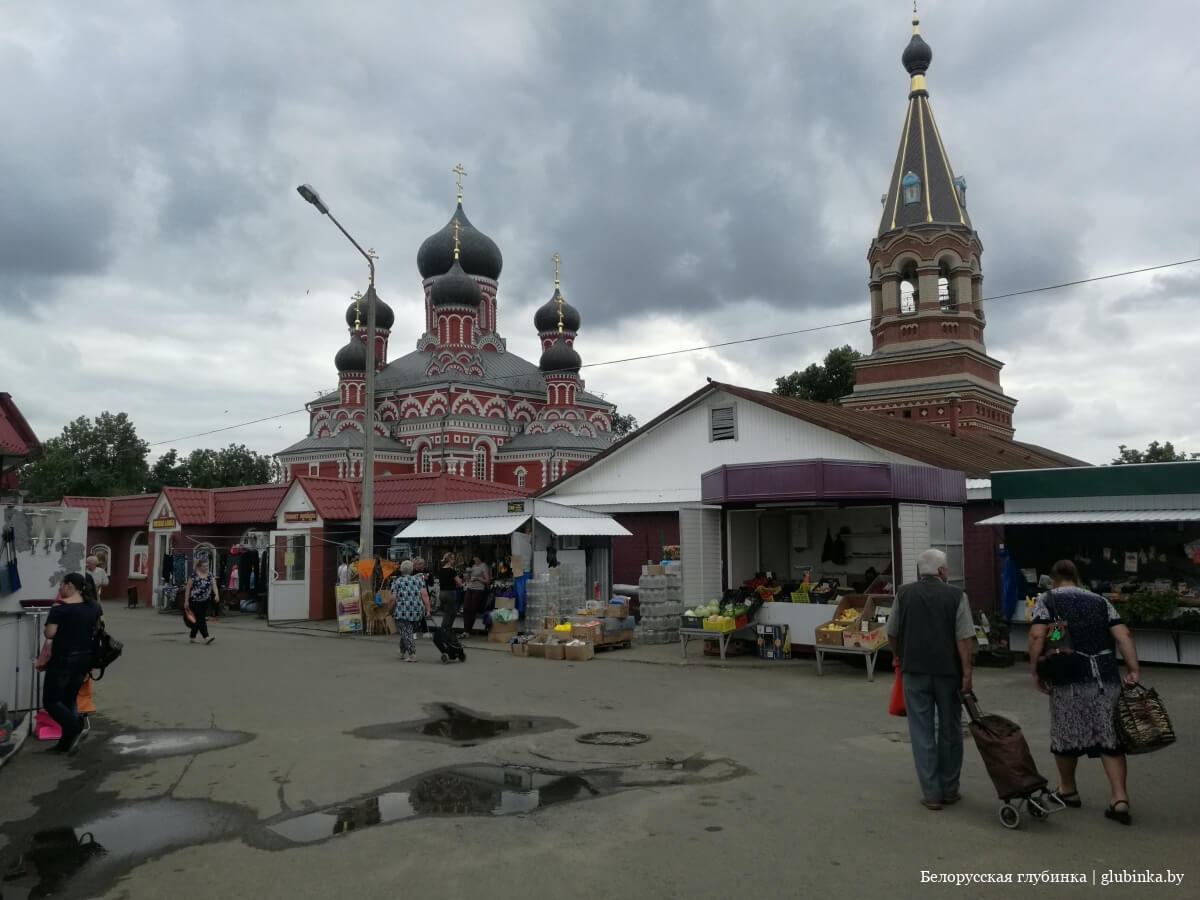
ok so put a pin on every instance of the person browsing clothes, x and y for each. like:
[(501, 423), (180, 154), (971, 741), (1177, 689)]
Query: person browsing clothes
[(932, 635)]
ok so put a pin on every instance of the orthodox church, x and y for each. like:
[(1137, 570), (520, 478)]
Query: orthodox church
[(460, 403), (928, 362)]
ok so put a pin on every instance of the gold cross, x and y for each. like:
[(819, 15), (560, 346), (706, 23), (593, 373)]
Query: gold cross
[(557, 259), (460, 172), (357, 298), (454, 224), (371, 253)]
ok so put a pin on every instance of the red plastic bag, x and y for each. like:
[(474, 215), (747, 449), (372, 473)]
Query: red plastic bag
[(896, 700)]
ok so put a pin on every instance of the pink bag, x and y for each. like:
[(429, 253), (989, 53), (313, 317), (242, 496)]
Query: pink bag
[(45, 727)]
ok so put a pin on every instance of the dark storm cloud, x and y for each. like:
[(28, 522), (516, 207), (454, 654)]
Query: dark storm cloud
[(714, 165)]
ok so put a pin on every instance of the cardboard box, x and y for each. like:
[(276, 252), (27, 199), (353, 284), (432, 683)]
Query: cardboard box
[(589, 633), (774, 642), (519, 649), (873, 638), (829, 638), (506, 603), (579, 652), (535, 649), (617, 611), (653, 569), (501, 632), (556, 651), (863, 606)]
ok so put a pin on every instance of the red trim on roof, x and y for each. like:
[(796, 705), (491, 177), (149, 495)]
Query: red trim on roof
[(16, 437)]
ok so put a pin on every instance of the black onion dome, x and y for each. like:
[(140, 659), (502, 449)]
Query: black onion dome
[(385, 317), (352, 357), (478, 252), (455, 288), (560, 357), (917, 56), (546, 318)]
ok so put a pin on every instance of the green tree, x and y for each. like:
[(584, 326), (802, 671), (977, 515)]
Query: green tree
[(623, 425), (168, 471), (1155, 452), (98, 458), (822, 383), (233, 466)]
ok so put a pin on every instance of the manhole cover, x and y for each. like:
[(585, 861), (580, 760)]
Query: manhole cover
[(613, 738)]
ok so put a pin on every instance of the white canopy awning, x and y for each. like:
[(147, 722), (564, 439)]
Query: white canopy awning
[(467, 527), (579, 526), (1094, 517)]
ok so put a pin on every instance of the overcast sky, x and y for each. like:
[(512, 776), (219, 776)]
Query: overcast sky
[(707, 171)]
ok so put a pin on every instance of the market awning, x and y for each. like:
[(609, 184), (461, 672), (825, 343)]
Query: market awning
[(467, 527), (578, 526), (1094, 517)]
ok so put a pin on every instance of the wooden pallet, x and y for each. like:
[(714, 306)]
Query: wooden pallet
[(613, 645)]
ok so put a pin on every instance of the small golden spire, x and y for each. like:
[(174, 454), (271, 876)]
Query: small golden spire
[(460, 172), (557, 259), (916, 21), (454, 224), (357, 298)]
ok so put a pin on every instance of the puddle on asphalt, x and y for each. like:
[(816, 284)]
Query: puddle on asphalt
[(483, 790), (451, 724), (79, 859), (158, 744)]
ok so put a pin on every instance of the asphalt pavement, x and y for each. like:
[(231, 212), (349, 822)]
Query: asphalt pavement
[(296, 763)]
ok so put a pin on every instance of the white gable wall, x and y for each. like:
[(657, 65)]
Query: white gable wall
[(676, 452)]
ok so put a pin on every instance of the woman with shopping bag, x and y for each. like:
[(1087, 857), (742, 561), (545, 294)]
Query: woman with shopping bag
[(1072, 646)]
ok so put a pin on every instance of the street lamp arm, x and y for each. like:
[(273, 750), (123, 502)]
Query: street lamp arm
[(367, 256)]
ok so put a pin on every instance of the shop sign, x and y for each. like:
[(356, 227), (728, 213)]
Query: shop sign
[(303, 515), (163, 522), (516, 506), (349, 609)]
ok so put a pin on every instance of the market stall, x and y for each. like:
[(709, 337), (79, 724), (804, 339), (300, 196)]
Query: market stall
[(1133, 531), (811, 537)]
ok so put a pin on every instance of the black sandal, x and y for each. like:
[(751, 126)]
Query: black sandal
[(1072, 799), (1119, 815)]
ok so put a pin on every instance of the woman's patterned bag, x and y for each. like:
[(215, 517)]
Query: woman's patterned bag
[(1142, 723)]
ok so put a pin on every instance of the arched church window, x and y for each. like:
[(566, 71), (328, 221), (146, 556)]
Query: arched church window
[(426, 461), (521, 474), (910, 186), (909, 292), (946, 299), (481, 463)]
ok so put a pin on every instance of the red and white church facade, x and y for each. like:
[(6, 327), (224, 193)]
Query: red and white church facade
[(460, 403)]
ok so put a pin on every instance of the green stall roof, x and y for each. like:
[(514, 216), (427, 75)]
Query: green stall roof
[(1098, 481)]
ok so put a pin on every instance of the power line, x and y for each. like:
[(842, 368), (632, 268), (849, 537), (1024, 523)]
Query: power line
[(762, 337)]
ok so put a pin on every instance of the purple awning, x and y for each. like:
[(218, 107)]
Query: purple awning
[(831, 480)]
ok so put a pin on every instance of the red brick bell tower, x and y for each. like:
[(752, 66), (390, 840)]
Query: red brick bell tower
[(928, 361)]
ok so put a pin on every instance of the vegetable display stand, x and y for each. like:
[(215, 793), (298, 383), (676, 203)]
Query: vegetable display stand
[(869, 655)]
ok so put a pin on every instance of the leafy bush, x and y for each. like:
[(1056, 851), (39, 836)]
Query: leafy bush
[(1146, 607)]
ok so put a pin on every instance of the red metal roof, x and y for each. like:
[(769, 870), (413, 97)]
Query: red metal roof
[(97, 509), (191, 506), (125, 512), (249, 504), (16, 437), (397, 496)]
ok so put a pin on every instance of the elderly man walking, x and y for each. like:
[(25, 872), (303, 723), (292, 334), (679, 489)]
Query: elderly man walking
[(931, 634)]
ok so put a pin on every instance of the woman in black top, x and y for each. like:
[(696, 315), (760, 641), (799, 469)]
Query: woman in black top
[(449, 585), (70, 626)]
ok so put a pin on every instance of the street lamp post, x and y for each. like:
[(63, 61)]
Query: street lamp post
[(366, 540)]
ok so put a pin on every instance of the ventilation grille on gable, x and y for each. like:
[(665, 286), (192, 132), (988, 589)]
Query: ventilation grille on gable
[(722, 424)]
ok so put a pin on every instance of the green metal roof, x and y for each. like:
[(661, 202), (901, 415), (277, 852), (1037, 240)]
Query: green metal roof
[(1098, 481)]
